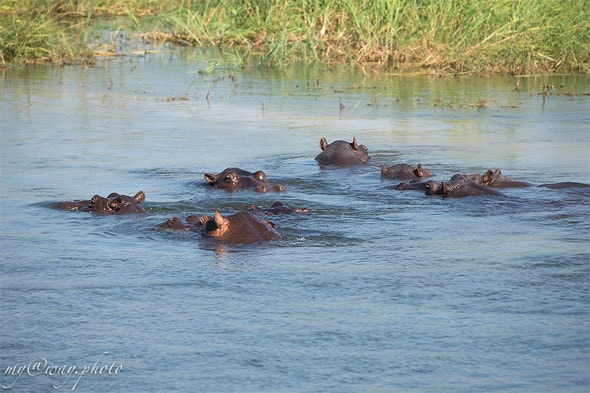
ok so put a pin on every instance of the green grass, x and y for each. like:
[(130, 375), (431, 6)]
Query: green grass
[(397, 36)]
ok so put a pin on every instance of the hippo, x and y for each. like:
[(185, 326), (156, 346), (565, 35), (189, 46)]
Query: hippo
[(113, 204), (233, 179), (405, 172), (417, 185), (458, 187), (342, 153), (494, 178), (193, 223), (239, 228), (565, 184), (277, 208)]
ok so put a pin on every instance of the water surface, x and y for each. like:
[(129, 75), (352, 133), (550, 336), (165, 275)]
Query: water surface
[(373, 290)]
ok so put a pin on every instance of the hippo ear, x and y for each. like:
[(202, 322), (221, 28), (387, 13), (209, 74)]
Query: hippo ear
[(418, 172), (211, 179), (218, 218), (95, 199), (323, 143), (220, 221), (354, 144), (383, 170), (139, 197)]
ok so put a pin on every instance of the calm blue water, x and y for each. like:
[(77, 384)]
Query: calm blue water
[(374, 290)]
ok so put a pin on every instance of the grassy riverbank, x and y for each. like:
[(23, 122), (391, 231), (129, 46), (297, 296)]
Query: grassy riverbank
[(424, 36)]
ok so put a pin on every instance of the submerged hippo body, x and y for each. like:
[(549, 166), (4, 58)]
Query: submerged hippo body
[(113, 204), (342, 153), (405, 172), (459, 186), (565, 184), (494, 178), (192, 223), (276, 209), (233, 179), (239, 228), (417, 186)]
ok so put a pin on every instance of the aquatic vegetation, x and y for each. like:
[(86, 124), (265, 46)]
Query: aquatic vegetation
[(403, 36)]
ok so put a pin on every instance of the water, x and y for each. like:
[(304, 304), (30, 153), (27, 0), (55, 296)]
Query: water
[(373, 290)]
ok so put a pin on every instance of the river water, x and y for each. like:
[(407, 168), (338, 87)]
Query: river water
[(373, 290)]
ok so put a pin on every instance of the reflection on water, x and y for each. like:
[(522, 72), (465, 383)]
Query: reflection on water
[(374, 289)]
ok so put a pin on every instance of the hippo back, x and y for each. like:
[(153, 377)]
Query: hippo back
[(342, 153)]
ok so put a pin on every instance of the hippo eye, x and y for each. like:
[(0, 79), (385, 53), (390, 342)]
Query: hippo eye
[(427, 185), (260, 175), (116, 203)]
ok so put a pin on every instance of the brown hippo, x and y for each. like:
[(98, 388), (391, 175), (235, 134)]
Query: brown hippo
[(494, 178), (193, 223), (342, 153), (240, 228), (405, 172), (113, 204), (417, 185), (276, 208), (458, 187), (233, 179)]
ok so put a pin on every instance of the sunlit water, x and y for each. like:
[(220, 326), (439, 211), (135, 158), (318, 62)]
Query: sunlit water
[(373, 290)]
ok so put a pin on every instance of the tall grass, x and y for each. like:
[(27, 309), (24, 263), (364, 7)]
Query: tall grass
[(438, 36)]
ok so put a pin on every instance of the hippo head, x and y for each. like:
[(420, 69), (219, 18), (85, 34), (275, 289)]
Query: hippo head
[(458, 186), (233, 179), (495, 178), (404, 172), (116, 203), (175, 223), (433, 187), (445, 188), (241, 227), (342, 153)]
